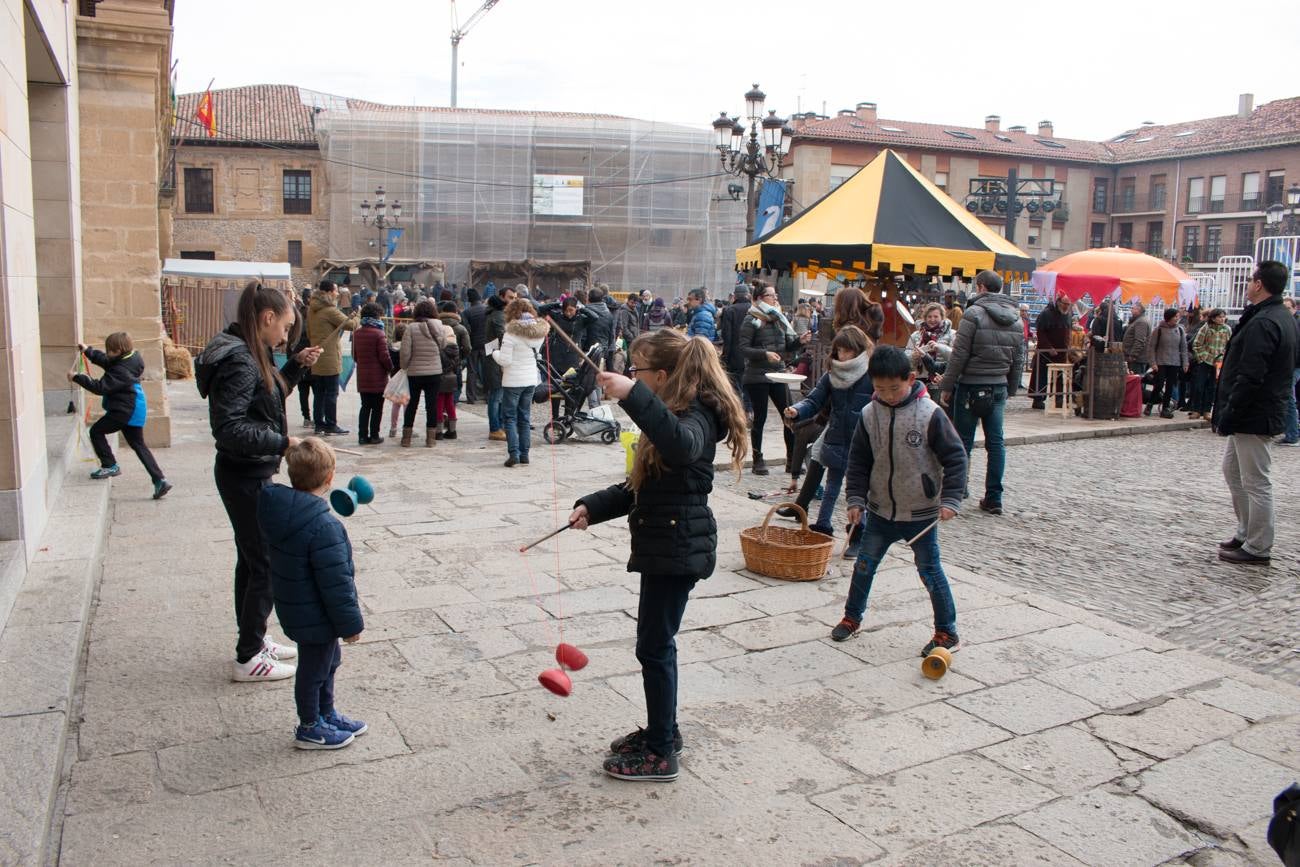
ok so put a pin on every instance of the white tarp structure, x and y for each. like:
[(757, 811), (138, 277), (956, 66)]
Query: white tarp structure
[(642, 201), (208, 269)]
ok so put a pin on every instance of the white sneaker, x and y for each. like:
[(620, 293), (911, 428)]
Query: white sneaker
[(264, 666), (279, 651)]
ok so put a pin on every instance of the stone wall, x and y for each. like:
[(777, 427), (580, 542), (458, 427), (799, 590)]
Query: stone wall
[(248, 222)]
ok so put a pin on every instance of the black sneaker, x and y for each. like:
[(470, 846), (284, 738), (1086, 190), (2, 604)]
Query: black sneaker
[(511, 461), (642, 767), (991, 508), (942, 639), (635, 743), (1242, 557), (161, 488), (523, 459), (1231, 545), (845, 629), (336, 430)]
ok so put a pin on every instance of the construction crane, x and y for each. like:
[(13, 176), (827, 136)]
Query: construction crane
[(458, 33)]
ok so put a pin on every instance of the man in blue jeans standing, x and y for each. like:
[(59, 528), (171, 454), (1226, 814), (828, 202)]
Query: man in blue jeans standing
[(984, 370)]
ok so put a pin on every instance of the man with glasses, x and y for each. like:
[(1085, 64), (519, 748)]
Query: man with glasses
[(1250, 410)]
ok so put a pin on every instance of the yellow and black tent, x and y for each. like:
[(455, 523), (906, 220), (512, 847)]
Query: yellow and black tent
[(886, 218)]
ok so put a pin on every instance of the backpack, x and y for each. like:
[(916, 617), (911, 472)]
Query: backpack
[(1284, 828), (449, 355)]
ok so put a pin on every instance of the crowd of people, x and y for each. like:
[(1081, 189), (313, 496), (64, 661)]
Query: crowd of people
[(894, 427)]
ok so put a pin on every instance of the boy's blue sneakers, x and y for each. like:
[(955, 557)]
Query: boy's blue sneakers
[(106, 472), (320, 735), (343, 724)]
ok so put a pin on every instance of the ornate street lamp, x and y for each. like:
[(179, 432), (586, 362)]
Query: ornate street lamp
[(743, 153), (1284, 220), (384, 217)]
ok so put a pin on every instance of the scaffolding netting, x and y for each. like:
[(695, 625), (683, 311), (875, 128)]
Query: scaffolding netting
[(642, 201)]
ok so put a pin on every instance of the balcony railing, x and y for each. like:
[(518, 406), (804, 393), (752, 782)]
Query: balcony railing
[(1212, 252), (1251, 203), (1244, 248), (1135, 203), (1125, 241), (1099, 202), (1155, 247), (1216, 206), (1192, 253), (1158, 199), (1195, 204)]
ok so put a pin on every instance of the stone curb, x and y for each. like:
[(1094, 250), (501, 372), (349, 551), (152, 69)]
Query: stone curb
[(41, 663)]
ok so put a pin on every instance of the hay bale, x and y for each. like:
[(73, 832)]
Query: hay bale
[(178, 362)]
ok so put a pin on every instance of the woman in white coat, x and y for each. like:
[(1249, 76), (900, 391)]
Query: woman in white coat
[(517, 357)]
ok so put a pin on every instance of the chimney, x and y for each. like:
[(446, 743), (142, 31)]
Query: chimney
[(1245, 104), (993, 123), (867, 111), (1015, 129), (846, 112), (1045, 128)]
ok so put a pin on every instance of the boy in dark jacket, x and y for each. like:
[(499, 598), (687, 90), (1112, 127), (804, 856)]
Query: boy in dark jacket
[(124, 407), (315, 596), (907, 469)]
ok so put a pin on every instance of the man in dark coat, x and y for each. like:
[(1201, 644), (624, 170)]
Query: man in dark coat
[(475, 321), (1053, 329), (1250, 408), (600, 324), (732, 319)]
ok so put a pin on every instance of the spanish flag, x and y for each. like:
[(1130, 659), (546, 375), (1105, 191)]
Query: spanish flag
[(207, 114)]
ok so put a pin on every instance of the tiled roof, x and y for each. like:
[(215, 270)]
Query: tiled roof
[(1273, 123), (978, 140), (271, 113), (284, 114)]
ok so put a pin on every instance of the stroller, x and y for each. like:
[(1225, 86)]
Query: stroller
[(572, 388)]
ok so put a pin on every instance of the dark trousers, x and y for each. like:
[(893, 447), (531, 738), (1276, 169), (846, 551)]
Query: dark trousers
[(659, 616), (474, 376), (253, 601), (304, 397), (1166, 381), (327, 400), (1203, 387), (372, 414), (735, 377), (428, 387), (99, 432), (313, 683), (759, 394)]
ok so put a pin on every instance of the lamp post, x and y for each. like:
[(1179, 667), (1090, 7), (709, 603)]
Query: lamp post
[(752, 157), (383, 217), (1279, 220)]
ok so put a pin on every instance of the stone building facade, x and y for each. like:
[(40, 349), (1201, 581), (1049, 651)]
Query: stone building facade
[(256, 190)]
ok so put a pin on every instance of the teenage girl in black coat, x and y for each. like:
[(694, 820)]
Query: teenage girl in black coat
[(684, 405), (246, 394)]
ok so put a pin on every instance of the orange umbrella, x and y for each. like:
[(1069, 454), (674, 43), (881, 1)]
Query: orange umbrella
[(1103, 272)]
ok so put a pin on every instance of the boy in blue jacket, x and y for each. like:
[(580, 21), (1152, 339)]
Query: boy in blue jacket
[(315, 595), (124, 407), (907, 469)]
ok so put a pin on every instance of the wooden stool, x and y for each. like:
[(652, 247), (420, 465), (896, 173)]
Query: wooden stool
[(1060, 385)]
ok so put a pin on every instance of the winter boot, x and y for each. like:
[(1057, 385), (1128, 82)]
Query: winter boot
[(760, 466), (406, 437), (430, 437), (449, 432)]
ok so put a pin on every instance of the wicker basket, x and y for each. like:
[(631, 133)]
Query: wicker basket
[(783, 552)]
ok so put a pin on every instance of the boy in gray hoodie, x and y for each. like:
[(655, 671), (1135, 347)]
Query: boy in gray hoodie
[(907, 469)]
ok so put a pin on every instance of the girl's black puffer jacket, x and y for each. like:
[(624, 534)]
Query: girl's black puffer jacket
[(247, 421), (673, 529)]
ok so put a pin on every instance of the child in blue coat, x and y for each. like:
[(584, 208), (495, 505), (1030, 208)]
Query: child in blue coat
[(841, 394), (124, 407), (315, 595)]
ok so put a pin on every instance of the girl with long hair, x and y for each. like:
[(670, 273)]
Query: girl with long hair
[(684, 404), (246, 393)]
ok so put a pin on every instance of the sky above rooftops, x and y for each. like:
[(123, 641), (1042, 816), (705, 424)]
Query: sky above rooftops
[(1093, 73)]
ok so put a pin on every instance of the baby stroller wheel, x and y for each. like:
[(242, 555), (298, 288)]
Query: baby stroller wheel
[(555, 432), (608, 435)]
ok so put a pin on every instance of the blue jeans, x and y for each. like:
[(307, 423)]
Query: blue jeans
[(325, 413), (1202, 388), (876, 539), (1292, 422), (516, 407), (494, 408), (659, 616), (964, 417), (826, 511)]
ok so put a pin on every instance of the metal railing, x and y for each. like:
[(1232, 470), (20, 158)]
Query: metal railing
[(1252, 203), (1195, 204), (1132, 202)]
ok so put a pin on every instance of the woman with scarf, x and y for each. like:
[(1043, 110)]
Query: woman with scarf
[(841, 394), (765, 339), (930, 345), (374, 363)]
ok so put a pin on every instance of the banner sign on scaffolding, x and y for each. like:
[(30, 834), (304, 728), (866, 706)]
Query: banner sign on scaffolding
[(771, 207), (390, 243), (557, 195)]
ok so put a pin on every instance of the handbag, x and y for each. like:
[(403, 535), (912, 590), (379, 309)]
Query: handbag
[(398, 389), (980, 400)]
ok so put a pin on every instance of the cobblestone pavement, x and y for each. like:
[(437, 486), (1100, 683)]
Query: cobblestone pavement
[(1128, 528), (1060, 737)]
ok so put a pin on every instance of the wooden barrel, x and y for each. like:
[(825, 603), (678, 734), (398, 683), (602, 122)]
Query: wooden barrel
[(1108, 384)]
